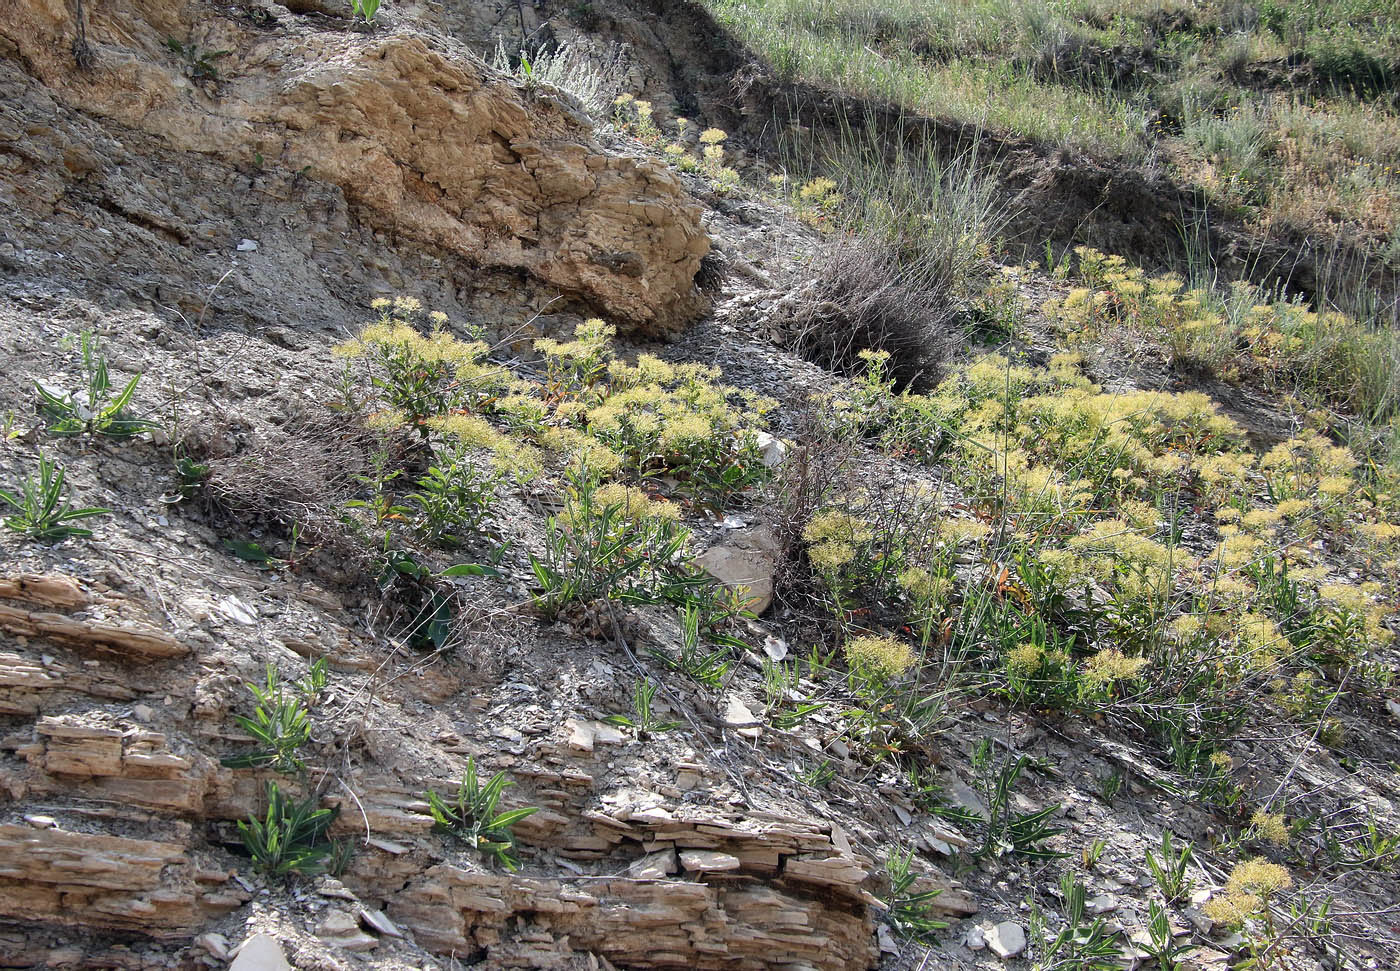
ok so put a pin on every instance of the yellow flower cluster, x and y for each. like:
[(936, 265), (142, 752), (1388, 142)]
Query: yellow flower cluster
[(834, 537), (633, 504), (1028, 659), (882, 657), (1110, 666), (1271, 827), (1247, 889), (927, 590), (1328, 353)]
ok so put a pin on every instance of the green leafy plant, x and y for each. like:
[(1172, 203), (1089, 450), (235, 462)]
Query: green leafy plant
[(642, 721), (472, 816), (1090, 853), (1110, 784), (1170, 870), (41, 511), (430, 607), (1005, 830), (96, 411), (909, 912), (1079, 945), (1363, 845), (289, 837), (190, 476), (818, 775), (454, 496), (1161, 942), (199, 63), (780, 681), (707, 667), (381, 504), (280, 725), (316, 681), (613, 543), (364, 8)]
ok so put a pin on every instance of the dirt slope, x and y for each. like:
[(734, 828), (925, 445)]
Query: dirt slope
[(222, 221)]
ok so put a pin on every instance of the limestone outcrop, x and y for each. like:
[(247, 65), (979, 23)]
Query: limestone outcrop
[(347, 160)]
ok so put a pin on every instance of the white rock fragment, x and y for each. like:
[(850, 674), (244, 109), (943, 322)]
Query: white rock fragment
[(215, 944), (605, 734), (737, 714), (260, 952), (343, 931), (247, 245), (1006, 939), (706, 861), (775, 647), (378, 921), (654, 866), (237, 611), (580, 735), (771, 451), (1101, 904)]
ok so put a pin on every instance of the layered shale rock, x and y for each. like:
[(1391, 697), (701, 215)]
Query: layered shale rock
[(116, 812)]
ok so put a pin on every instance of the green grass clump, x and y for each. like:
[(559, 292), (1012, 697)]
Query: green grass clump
[(1207, 90)]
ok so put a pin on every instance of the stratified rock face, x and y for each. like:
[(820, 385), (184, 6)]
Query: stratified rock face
[(420, 142), (105, 824)]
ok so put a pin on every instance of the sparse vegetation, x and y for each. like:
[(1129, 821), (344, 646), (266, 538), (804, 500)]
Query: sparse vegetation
[(642, 720), (1276, 111), (280, 725), (472, 816), (1080, 943), (95, 410), (907, 910), (1140, 526), (567, 69), (290, 836), (611, 543), (41, 511), (365, 9)]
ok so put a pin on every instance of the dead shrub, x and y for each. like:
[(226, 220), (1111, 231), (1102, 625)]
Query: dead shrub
[(818, 470), (292, 478), (865, 294)]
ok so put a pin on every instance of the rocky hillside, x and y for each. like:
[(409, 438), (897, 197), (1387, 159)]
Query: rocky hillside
[(448, 523)]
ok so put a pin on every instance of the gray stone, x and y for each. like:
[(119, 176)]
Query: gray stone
[(747, 560), (1007, 939), (960, 794), (343, 931), (215, 944), (377, 921)]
